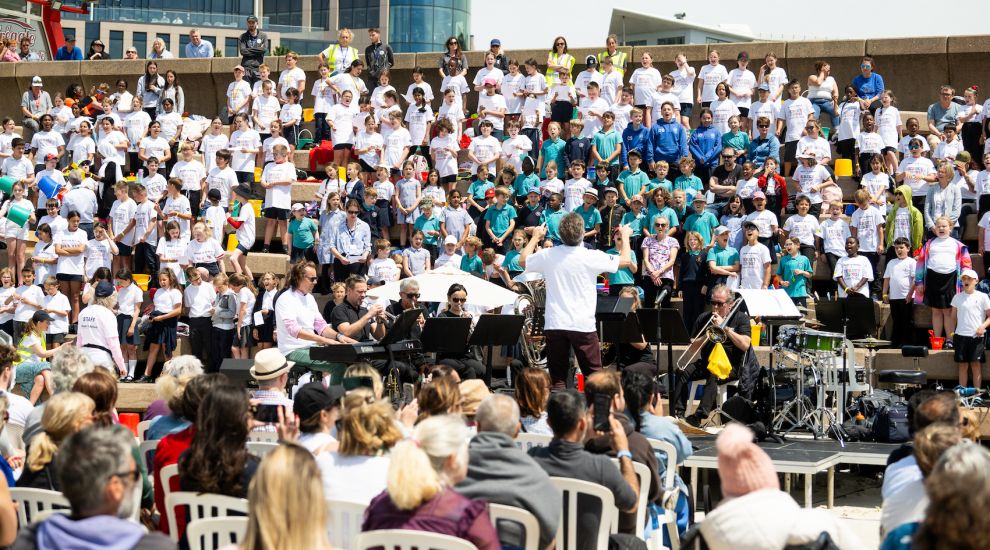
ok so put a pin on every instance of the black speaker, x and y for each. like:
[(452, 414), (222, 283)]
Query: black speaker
[(239, 372)]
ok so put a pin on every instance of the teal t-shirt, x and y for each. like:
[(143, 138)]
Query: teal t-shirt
[(591, 217), (703, 223), (511, 261), (723, 257), (425, 225), (667, 212), (524, 183), (302, 232), (606, 142), (691, 185), (738, 141), (552, 220), (664, 183), (635, 221), (798, 283), (473, 265), (477, 190), (624, 276), (551, 150), (633, 182), (500, 217)]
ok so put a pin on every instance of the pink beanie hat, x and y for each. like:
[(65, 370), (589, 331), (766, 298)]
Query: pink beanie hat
[(743, 466)]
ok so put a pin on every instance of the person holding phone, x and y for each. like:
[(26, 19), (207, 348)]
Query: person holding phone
[(271, 371), (738, 347)]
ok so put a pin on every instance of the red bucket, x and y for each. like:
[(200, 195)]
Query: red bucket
[(935, 342), (130, 421)]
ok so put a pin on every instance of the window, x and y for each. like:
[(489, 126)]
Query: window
[(140, 42), (69, 32), (710, 40), (424, 25), (230, 48), (284, 12), (634, 43), (117, 43), (355, 14), (167, 38), (212, 40), (667, 41), (183, 40)]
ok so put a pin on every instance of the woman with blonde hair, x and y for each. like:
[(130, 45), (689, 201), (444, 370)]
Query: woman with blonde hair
[(65, 414), (286, 505), (419, 492), (363, 375), (366, 434)]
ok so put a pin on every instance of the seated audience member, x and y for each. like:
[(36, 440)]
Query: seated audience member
[(65, 414), (363, 375), (171, 447), (358, 469), (318, 409), (438, 396), (532, 393), (68, 364), (755, 512), (176, 373), (924, 408), (271, 372), (286, 506), (97, 475), (909, 503), (571, 421), (419, 494), (501, 473)]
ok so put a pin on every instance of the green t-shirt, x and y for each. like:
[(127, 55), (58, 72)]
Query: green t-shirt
[(552, 220), (723, 257), (551, 150), (524, 183), (606, 142), (667, 212), (511, 261), (591, 217), (703, 223), (635, 222), (477, 190), (691, 185), (633, 182), (798, 283), (473, 265), (624, 276), (302, 232), (500, 218), (654, 183), (738, 141), (425, 225)]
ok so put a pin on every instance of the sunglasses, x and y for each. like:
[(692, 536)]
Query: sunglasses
[(762, 126), (355, 212), (728, 156), (810, 128), (458, 300), (913, 147), (412, 295), (312, 279), (716, 304)]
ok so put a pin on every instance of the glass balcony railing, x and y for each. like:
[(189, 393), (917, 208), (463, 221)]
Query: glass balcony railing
[(163, 17)]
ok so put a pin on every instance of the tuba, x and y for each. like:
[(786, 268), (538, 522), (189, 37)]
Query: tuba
[(531, 304)]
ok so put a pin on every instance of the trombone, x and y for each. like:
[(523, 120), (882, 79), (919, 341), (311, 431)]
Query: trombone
[(709, 333)]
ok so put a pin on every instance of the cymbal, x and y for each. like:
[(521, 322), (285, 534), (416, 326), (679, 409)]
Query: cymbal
[(813, 322), (869, 343)]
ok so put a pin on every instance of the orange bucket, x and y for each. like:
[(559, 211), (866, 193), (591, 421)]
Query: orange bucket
[(936, 341), (130, 421)]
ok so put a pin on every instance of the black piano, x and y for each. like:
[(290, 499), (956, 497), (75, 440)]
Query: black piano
[(364, 351)]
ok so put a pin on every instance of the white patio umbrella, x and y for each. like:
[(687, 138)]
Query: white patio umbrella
[(433, 286)]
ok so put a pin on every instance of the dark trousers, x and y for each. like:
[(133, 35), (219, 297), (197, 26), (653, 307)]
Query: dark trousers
[(877, 283), (534, 136), (220, 347), (902, 329), (145, 261), (341, 272), (586, 348), (467, 368), (200, 335), (696, 371), (322, 128), (694, 301), (832, 286), (651, 290)]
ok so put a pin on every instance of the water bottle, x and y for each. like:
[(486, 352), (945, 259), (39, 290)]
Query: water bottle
[(140, 177)]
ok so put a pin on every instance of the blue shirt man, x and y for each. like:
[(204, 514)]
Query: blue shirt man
[(197, 47), (69, 51)]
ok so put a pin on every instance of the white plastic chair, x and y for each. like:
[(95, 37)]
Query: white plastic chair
[(166, 476), (721, 396), (643, 475), (148, 452), (572, 488), (271, 437), (527, 441), (202, 533), (45, 514), (142, 427), (669, 498), (404, 539), (200, 506), (31, 502), (512, 514), (261, 448), (344, 521)]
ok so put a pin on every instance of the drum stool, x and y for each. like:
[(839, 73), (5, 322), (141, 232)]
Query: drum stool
[(721, 396), (904, 379)]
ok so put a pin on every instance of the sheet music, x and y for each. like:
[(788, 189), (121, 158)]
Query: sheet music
[(769, 303)]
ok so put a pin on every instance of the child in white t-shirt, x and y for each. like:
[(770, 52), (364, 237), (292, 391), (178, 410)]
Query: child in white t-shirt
[(867, 226), (898, 291), (853, 272), (972, 313), (291, 116), (834, 231)]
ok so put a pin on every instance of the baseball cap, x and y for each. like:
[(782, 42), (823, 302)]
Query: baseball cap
[(699, 197), (36, 81), (720, 230), (40, 316), (489, 82), (51, 156), (252, 18), (971, 273), (213, 194), (70, 38), (103, 289), (533, 189), (592, 191), (425, 201), (238, 68), (496, 42), (449, 239), (764, 87), (490, 194), (298, 206), (759, 195), (636, 198), (375, 281), (743, 56), (750, 225), (591, 61), (314, 397), (610, 189)]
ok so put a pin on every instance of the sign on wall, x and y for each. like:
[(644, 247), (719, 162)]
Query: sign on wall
[(19, 28)]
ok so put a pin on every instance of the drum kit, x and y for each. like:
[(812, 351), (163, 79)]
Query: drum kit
[(811, 386)]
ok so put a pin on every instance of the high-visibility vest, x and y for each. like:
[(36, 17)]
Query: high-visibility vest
[(552, 74), (332, 52), (618, 61)]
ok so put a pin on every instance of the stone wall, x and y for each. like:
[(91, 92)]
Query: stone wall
[(912, 67)]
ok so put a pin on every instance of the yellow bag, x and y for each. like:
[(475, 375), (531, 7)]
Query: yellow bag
[(718, 362)]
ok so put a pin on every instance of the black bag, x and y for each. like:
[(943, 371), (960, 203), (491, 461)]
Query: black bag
[(891, 424)]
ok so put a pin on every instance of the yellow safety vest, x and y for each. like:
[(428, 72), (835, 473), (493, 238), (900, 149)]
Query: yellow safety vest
[(618, 61), (332, 52), (551, 74)]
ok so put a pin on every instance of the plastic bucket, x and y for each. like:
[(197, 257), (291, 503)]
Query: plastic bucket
[(257, 175), (49, 187), (755, 331), (142, 280), (843, 167), (7, 184), (936, 342), (231, 243), (256, 205), (18, 215), (130, 421)]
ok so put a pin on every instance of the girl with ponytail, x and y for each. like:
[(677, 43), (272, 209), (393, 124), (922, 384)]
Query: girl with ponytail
[(65, 414)]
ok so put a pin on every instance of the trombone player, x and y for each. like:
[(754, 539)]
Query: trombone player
[(734, 321)]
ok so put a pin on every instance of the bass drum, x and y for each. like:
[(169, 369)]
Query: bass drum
[(531, 304)]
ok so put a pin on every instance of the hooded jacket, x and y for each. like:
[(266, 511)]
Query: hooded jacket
[(105, 532), (667, 141), (915, 218), (500, 472), (705, 145)]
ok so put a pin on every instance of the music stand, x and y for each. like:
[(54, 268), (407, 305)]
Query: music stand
[(448, 335), (854, 317), (402, 327), (618, 330), (495, 330), (664, 326)]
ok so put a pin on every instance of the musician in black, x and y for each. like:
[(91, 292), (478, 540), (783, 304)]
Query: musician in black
[(466, 364), (409, 299), (637, 356), (737, 347), (365, 324)]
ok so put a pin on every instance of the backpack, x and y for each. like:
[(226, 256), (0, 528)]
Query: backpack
[(891, 424)]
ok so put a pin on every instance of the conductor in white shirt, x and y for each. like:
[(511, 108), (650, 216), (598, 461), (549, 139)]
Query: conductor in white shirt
[(570, 272)]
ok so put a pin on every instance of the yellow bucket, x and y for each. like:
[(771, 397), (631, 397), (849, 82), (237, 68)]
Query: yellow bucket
[(308, 115), (231, 243), (843, 167), (256, 205), (257, 175), (142, 280), (342, 174), (755, 331)]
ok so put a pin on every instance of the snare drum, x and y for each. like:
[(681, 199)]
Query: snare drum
[(790, 338), (823, 342)]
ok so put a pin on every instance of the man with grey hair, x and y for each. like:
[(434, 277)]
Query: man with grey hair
[(197, 47), (68, 364), (99, 478), (570, 272), (501, 473)]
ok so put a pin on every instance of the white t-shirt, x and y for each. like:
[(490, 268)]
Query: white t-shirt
[(485, 148), (279, 196), (170, 124), (192, 174), (914, 169), (592, 123), (759, 109), (722, 110), (47, 252), (290, 78), (71, 265), (145, 219), (222, 180), (237, 94), (485, 72), (43, 143), (303, 311), (684, 83), (169, 252), (82, 148), (888, 119), (355, 478), (290, 112), (199, 299), (322, 96), (268, 146), (417, 122), (765, 220), (136, 125), (58, 302), (852, 271), (155, 185), (166, 299), (711, 75), (267, 108), (866, 223), (645, 82), (510, 85), (834, 234), (753, 260), (243, 139), (795, 114), (822, 91), (154, 147), (775, 79), (98, 326), (427, 91), (24, 312), (875, 184), (583, 78), (446, 162), (98, 254), (741, 79), (179, 205), (849, 121), (904, 146), (984, 224), (454, 113), (901, 274), (395, 143), (869, 142), (364, 141), (17, 168), (246, 232), (457, 82), (342, 117), (570, 273), (129, 298), (971, 311), (493, 103), (964, 191), (808, 177), (803, 227), (942, 255)]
